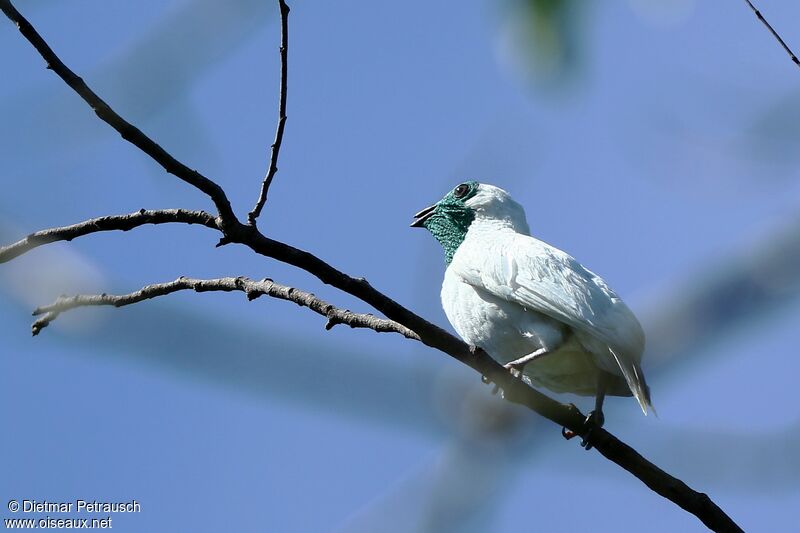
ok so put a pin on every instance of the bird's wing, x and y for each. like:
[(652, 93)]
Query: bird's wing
[(537, 276)]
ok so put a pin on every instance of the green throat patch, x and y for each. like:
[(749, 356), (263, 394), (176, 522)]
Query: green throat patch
[(451, 220)]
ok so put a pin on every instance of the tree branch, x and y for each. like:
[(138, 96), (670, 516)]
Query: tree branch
[(401, 320), (276, 145), (253, 289), (107, 223), (774, 33), (514, 390), (128, 131)]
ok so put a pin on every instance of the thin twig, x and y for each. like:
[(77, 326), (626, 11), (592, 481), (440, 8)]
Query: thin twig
[(253, 289), (107, 223), (276, 145), (774, 33), (128, 131)]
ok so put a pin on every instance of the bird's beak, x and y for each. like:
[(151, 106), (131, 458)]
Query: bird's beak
[(422, 216)]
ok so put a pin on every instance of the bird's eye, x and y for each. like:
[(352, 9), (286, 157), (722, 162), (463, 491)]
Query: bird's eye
[(461, 190)]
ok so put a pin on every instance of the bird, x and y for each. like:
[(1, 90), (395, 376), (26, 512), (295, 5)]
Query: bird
[(532, 307)]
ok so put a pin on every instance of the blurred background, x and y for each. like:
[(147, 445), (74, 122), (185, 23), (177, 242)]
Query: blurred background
[(658, 142)]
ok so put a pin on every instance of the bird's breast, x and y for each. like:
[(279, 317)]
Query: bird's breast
[(505, 330)]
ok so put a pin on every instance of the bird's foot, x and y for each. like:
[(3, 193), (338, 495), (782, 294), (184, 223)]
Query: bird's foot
[(515, 368), (594, 420)]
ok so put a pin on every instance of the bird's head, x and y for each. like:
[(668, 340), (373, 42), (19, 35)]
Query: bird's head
[(470, 203)]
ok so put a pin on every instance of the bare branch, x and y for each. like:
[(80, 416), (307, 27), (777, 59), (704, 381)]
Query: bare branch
[(253, 289), (773, 32), (514, 390), (128, 131), (107, 223), (276, 145)]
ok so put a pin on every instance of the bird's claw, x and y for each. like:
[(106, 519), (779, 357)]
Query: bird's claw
[(594, 420), (516, 370)]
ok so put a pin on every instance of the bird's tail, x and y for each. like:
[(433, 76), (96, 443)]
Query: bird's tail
[(634, 376)]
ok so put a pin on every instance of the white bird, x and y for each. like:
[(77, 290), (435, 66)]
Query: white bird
[(530, 305)]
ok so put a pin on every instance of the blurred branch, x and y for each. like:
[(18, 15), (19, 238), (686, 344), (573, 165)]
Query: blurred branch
[(740, 287), (514, 390), (253, 289), (276, 145), (774, 33), (107, 223)]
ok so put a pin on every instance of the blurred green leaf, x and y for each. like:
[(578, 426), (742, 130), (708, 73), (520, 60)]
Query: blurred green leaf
[(543, 38)]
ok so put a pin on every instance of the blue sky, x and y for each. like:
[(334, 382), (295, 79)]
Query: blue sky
[(665, 161)]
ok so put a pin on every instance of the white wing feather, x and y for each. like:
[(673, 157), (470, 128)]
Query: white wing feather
[(535, 275)]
